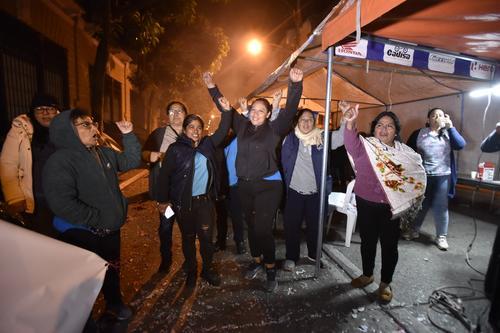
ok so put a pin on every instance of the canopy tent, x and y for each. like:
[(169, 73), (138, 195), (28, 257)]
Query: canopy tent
[(405, 51), (440, 25)]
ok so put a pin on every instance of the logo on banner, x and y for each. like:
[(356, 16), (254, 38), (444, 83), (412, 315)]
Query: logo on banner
[(441, 63), (481, 70), (353, 49), (398, 55)]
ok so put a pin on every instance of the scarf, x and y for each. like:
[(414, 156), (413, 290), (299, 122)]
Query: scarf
[(313, 138), (400, 171)]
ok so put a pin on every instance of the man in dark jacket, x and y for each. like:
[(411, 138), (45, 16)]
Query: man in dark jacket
[(81, 186)]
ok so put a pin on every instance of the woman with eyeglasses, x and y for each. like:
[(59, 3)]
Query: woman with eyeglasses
[(302, 159), (390, 183), (188, 185), (26, 149)]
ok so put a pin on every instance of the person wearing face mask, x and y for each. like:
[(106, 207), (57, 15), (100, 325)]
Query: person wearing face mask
[(436, 143), (153, 153), (188, 185), (24, 154), (302, 158), (260, 186), (81, 185), (390, 183)]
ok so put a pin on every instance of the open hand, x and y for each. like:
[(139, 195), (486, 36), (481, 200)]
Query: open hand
[(344, 106), (296, 75), (224, 103), (243, 104), (208, 79), (124, 126)]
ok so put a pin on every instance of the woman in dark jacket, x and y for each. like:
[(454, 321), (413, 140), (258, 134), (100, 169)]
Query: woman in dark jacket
[(436, 143), (302, 159), (188, 184), (259, 181)]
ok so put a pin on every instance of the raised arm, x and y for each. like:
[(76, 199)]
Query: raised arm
[(130, 158), (352, 142), (284, 122), (225, 122)]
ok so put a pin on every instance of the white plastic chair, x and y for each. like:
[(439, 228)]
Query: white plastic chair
[(344, 203)]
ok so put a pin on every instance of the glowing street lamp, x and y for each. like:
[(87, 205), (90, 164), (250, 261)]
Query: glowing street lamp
[(254, 47)]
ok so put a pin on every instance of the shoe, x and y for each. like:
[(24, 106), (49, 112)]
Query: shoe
[(191, 279), (410, 234), (252, 270), (442, 243), (271, 283), (241, 248), (289, 265), (384, 293), (219, 246), (361, 281), (164, 266), (312, 261), (119, 311), (211, 277)]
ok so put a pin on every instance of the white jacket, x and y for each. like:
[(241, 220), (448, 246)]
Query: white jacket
[(16, 163)]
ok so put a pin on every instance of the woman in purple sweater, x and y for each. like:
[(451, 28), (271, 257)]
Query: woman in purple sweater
[(390, 182)]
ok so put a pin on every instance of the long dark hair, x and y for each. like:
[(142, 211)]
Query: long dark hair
[(266, 103), (428, 124), (394, 118)]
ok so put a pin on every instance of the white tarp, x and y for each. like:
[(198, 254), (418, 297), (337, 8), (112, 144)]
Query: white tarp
[(45, 285)]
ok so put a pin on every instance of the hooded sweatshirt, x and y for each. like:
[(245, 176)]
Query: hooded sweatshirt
[(81, 189)]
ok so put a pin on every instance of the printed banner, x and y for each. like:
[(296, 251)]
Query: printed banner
[(408, 56)]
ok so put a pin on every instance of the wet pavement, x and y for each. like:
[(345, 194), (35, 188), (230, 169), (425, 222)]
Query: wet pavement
[(302, 302)]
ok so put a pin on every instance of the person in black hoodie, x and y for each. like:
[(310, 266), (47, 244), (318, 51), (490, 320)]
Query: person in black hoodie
[(188, 185), (259, 180), (25, 151), (81, 185)]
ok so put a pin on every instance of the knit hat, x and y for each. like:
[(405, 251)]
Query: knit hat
[(42, 99)]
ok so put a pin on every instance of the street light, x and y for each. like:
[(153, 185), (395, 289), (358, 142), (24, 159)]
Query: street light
[(254, 47)]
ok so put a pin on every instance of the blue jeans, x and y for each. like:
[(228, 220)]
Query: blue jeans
[(436, 196)]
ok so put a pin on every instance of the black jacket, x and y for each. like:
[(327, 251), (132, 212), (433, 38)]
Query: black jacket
[(177, 171), (78, 188), (257, 145)]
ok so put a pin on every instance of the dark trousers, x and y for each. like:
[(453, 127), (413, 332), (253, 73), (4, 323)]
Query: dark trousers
[(374, 221), (236, 214), (197, 221), (41, 219), (221, 219), (108, 248), (492, 283), (165, 234), (260, 200), (301, 207)]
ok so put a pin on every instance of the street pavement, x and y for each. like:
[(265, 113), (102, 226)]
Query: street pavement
[(303, 302)]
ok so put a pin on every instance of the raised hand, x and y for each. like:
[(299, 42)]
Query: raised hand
[(243, 104), (224, 103), (351, 114), (277, 98), (296, 75), (447, 121), (124, 126), (208, 79), (344, 106)]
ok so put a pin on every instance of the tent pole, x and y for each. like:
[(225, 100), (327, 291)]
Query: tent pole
[(326, 148)]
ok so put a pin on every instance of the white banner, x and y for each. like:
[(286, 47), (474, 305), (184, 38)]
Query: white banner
[(481, 70), (441, 63), (45, 285), (353, 49), (398, 55)]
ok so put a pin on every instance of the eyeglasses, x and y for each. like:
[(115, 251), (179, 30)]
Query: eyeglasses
[(306, 120), (46, 109), (88, 124), (176, 112)]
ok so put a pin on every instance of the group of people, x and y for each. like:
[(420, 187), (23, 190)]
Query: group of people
[(54, 172)]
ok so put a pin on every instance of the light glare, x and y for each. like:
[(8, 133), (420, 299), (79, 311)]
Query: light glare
[(254, 47)]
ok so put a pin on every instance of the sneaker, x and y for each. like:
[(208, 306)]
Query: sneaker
[(252, 270), (271, 283), (410, 234), (191, 280), (442, 243), (289, 265), (241, 248), (119, 311), (361, 281), (211, 277), (312, 261), (384, 293)]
